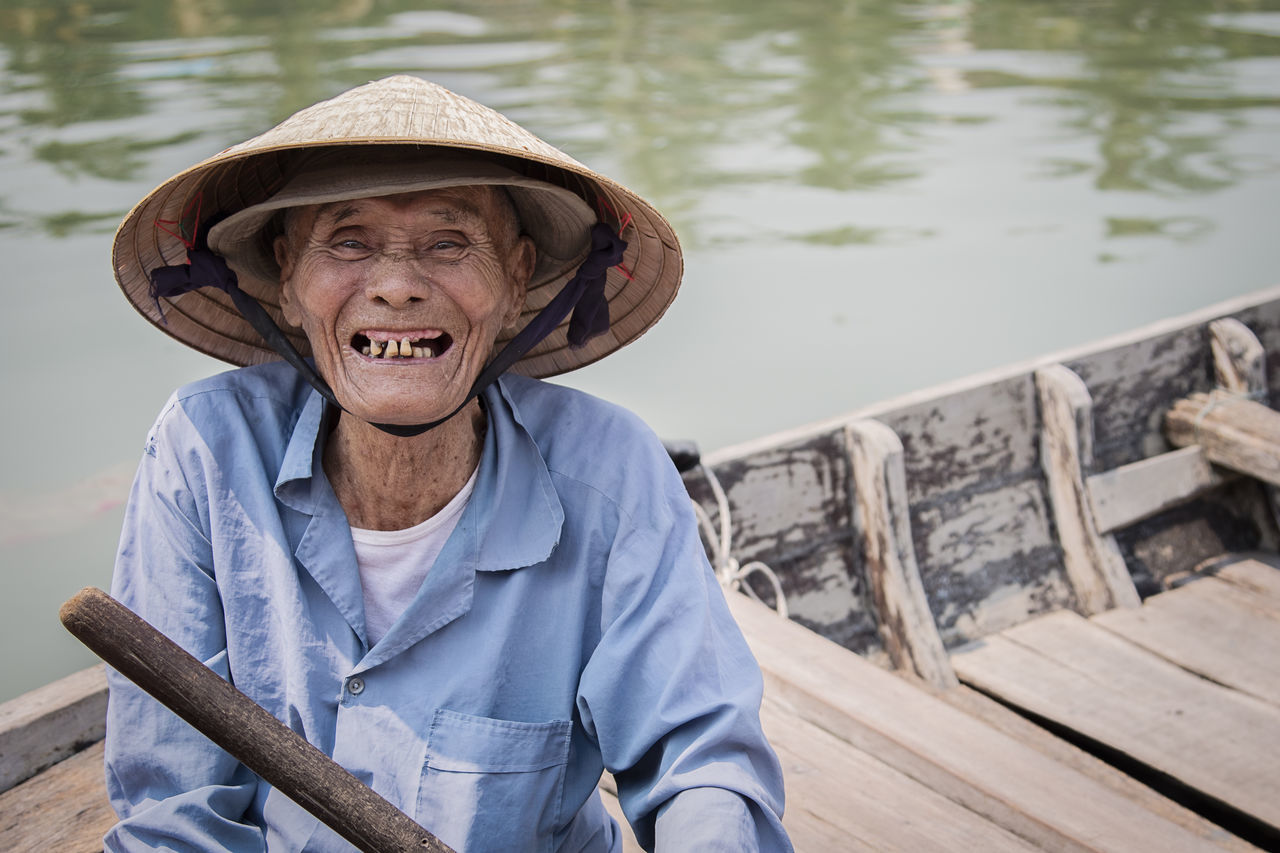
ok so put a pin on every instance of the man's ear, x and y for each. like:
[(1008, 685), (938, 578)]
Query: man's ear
[(524, 257), (284, 258)]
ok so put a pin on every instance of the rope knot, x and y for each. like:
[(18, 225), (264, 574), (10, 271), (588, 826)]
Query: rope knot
[(591, 311), (203, 269)]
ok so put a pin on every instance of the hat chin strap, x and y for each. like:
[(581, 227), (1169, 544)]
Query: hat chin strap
[(583, 295)]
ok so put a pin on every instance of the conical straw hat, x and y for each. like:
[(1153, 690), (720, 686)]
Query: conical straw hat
[(420, 118)]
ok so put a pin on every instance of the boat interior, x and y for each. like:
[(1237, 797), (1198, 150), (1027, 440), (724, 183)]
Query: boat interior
[(1038, 609)]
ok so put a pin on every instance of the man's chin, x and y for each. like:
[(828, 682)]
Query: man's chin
[(400, 397), (403, 410)]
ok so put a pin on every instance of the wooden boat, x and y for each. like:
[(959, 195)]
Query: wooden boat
[(1036, 609)]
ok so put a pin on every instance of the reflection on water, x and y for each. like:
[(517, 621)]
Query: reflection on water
[(691, 98), (874, 196)]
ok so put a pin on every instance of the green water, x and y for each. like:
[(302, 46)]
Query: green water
[(874, 197)]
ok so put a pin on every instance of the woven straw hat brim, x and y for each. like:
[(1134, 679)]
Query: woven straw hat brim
[(401, 111), (557, 220)]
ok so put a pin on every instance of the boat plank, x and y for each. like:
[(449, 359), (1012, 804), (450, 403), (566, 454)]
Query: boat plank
[(988, 559), (1011, 723), (1213, 628), (841, 798), (1064, 668), (1233, 431), (974, 764), (967, 439), (1139, 490), (1130, 382), (1257, 577), (791, 508), (65, 808), (50, 723)]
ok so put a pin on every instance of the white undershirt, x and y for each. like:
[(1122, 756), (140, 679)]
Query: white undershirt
[(394, 563)]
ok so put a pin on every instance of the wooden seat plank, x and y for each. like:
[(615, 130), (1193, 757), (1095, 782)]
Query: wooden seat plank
[(1257, 577), (1234, 431), (964, 759), (840, 798), (1064, 668), (1010, 722), (1139, 490), (1213, 628), (64, 808)]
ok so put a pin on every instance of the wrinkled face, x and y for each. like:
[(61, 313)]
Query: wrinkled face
[(401, 297)]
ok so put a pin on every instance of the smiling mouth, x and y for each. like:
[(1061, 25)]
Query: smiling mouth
[(406, 347)]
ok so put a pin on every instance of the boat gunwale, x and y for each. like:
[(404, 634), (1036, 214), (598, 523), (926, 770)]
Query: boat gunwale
[(994, 375), (44, 726)]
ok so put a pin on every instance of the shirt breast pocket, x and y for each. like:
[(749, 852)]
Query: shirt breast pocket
[(493, 784)]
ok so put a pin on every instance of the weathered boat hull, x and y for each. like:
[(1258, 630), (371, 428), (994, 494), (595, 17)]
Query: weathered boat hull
[(982, 528)]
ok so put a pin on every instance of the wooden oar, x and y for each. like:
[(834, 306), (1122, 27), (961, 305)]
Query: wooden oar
[(240, 726)]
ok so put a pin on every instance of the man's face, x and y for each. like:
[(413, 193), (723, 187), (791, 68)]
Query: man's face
[(442, 269)]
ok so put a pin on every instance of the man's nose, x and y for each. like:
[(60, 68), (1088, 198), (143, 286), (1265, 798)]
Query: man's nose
[(397, 279)]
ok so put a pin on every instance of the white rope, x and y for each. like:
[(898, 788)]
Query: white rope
[(729, 572)]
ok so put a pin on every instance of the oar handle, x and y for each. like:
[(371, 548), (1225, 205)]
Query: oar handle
[(243, 728)]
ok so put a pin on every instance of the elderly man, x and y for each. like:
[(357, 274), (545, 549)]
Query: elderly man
[(473, 589)]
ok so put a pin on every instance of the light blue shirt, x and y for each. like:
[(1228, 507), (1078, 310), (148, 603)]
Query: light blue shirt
[(570, 624)]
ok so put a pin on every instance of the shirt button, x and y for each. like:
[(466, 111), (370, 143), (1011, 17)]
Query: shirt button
[(355, 686)]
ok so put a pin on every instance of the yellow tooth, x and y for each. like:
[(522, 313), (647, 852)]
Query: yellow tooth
[(366, 351), (393, 349), (419, 352), (375, 348), (406, 348)]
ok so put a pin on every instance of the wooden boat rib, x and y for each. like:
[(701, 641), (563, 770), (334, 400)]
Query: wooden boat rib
[(993, 587)]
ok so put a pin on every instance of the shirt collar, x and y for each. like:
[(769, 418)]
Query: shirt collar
[(293, 483), (518, 516), (514, 518)]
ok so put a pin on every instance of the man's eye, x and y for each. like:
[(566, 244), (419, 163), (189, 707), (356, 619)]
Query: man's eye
[(352, 244)]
